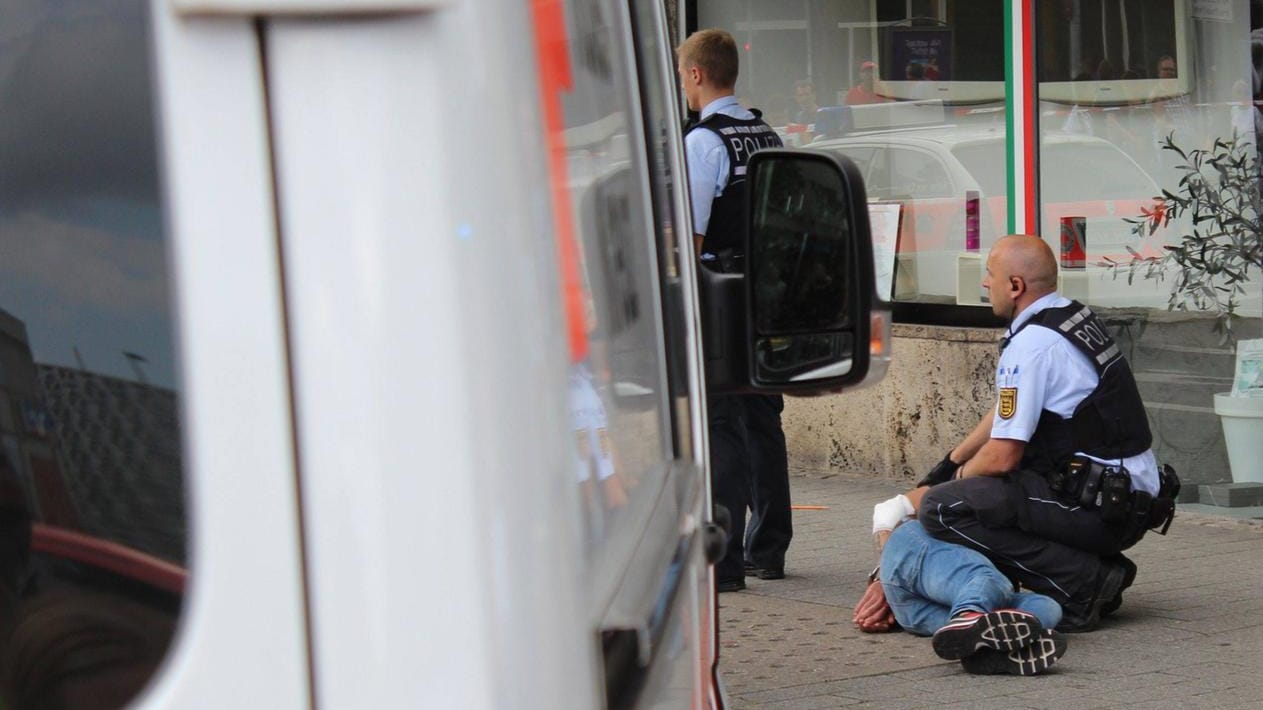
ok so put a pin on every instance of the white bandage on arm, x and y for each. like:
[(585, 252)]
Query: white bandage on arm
[(888, 514)]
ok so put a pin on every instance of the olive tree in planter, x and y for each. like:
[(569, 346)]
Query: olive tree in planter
[(1215, 263)]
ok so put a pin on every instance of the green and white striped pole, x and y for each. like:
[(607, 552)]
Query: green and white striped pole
[(1021, 116)]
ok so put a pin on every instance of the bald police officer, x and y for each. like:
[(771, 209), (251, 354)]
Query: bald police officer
[(1055, 482), (749, 467)]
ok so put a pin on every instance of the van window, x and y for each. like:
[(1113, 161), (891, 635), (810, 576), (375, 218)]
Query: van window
[(657, 81), (618, 393), (92, 507)]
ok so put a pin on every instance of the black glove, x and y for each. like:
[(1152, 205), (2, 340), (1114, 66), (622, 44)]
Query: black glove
[(943, 471)]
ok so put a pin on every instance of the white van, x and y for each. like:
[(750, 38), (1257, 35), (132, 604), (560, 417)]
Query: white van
[(351, 357)]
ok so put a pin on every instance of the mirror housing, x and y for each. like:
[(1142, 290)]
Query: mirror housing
[(799, 319)]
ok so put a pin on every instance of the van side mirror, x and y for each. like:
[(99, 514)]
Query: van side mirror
[(799, 319), (811, 276)]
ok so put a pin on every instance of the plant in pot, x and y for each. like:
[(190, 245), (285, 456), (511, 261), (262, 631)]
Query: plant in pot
[(1215, 265)]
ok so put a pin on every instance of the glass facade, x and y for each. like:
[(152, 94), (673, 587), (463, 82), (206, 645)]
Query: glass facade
[(1118, 82), (915, 93), (1117, 79)]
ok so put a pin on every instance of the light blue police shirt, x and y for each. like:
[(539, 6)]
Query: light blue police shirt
[(708, 160), (1040, 369)]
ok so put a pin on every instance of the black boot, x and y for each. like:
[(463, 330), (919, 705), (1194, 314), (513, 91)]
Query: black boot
[(1082, 617)]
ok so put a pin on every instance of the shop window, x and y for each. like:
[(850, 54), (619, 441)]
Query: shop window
[(909, 80)]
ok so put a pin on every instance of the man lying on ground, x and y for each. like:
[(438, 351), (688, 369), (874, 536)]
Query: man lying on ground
[(957, 596)]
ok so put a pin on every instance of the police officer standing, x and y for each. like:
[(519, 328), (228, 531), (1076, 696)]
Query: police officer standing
[(1060, 478), (749, 467)]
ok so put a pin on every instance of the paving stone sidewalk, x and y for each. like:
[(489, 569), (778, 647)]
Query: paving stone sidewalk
[(1189, 633)]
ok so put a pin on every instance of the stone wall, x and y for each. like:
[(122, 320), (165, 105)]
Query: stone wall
[(940, 382)]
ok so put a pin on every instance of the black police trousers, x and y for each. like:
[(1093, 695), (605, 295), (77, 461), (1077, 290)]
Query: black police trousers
[(1050, 546), (749, 470)]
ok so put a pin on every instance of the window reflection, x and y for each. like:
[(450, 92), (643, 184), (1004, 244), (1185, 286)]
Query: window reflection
[(618, 394), (789, 357), (92, 516), (923, 82), (900, 87), (801, 245), (603, 493), (1117, 79)]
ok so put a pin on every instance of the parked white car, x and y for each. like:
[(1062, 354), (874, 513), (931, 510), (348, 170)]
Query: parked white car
[(931, 171)]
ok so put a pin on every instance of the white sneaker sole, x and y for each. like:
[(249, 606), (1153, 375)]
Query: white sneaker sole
[(1033, 659), (1005, 630)]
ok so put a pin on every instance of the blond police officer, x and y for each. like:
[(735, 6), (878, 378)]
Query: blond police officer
[(749, 466)]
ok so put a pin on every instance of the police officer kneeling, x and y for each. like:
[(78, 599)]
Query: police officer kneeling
[(1060, 478)]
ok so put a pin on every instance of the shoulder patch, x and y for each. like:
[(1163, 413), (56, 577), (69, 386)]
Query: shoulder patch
[(1008, 402)]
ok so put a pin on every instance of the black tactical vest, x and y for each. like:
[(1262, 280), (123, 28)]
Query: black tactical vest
[(1109, 423), (741, 138)]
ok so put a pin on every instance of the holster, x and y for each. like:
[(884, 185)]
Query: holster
[(1090, 484), (1149, 512), (1162, 510), (1093, 485), (1137, 521)]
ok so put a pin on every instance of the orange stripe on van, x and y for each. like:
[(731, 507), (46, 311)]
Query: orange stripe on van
[(553, 52)]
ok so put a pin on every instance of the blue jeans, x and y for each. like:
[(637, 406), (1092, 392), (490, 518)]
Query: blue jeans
[(928, 581)]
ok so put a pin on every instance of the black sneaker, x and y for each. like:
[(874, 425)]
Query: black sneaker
[(1082, 619), (1129, 576), (730, 585), (1035, 658), (970, 631), (753, 570)]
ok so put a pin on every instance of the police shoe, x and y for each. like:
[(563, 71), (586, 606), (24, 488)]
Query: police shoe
[(730, 585), (1129, 576), (1032, 659), (1077, 619), (971, 631), (753, 570)]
